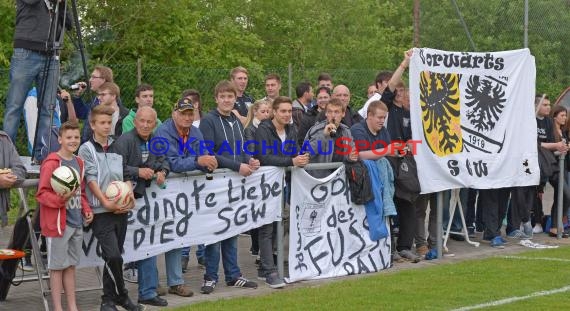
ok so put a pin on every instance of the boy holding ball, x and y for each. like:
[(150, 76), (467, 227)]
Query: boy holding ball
[(62, 216), (102, 166)]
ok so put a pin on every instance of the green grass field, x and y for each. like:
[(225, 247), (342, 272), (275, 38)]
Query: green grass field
[(442, 287)]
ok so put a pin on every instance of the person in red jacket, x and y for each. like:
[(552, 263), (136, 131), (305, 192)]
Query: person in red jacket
[(62, 217)]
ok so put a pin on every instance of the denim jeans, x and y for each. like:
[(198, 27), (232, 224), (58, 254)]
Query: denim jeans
[(27, 67), (228, 249), (147, 278), (200, 252), (174, 267)]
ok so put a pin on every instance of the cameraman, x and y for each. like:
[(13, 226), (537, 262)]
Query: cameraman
[(33, 54)]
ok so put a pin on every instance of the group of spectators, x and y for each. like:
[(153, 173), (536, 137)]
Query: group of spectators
[(113, 145)]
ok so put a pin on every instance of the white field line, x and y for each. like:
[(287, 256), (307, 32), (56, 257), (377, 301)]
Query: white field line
[(514, 299), (536, 258)]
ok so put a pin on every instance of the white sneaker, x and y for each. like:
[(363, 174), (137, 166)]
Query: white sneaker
[(537, 228), (131, 275)]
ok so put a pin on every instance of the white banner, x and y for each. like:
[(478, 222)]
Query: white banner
[(193, 210), (328, 234), (474, 114)]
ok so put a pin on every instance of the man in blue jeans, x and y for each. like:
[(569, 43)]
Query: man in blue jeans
[(33, 55), (180, 128), (222, 126)]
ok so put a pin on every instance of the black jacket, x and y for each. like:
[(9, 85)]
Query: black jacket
[(266, 135), (128, 145), (33, 23)]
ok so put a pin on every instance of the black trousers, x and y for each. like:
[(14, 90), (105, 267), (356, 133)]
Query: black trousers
[(523, 200), (494, 205), (407, 217), (110, 230)]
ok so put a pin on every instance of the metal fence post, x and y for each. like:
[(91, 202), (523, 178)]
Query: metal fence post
[(560, 227), (439, 235)]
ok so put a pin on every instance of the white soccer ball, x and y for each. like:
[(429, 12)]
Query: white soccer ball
[(118, 192), (64, 179)]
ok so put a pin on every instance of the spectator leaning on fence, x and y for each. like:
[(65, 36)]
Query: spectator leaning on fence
[(172, 132), (222, 127), (326, 138), (280, 134), (141, 167), (12, 174)]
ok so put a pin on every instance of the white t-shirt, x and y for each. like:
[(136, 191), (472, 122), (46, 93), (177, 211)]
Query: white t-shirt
[(374, 97)]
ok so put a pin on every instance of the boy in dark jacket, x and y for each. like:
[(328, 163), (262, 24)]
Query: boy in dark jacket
[(61, 217), (225, 130), (282, 137)]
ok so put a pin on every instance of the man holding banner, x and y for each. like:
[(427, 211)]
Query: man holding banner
[(140, 167)]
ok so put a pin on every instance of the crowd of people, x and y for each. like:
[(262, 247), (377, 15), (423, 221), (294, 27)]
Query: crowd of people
[(113, 144)]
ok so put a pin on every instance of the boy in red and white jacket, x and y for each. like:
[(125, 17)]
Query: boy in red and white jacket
[(62, 217)]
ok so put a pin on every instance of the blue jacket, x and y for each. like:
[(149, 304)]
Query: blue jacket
[(387, 178), (180, 157), (374, 208)]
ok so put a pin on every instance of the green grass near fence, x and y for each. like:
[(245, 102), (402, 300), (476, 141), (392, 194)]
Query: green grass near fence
[(441, 287)]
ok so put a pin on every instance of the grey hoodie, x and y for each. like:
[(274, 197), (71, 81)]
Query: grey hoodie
[(9, 158), (102, 167)]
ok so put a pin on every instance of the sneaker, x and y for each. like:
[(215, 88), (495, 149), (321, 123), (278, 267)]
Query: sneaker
[(108, 306), (422, 250), (431, 254), (517, 234), (154, 301), (497, 242), (397, 258), (180, 290), (184, 262), (537, 228), (274, 281), (129, 305), (527, 229), (242, 282), (131, 275), (410, 256), (208, 287)]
